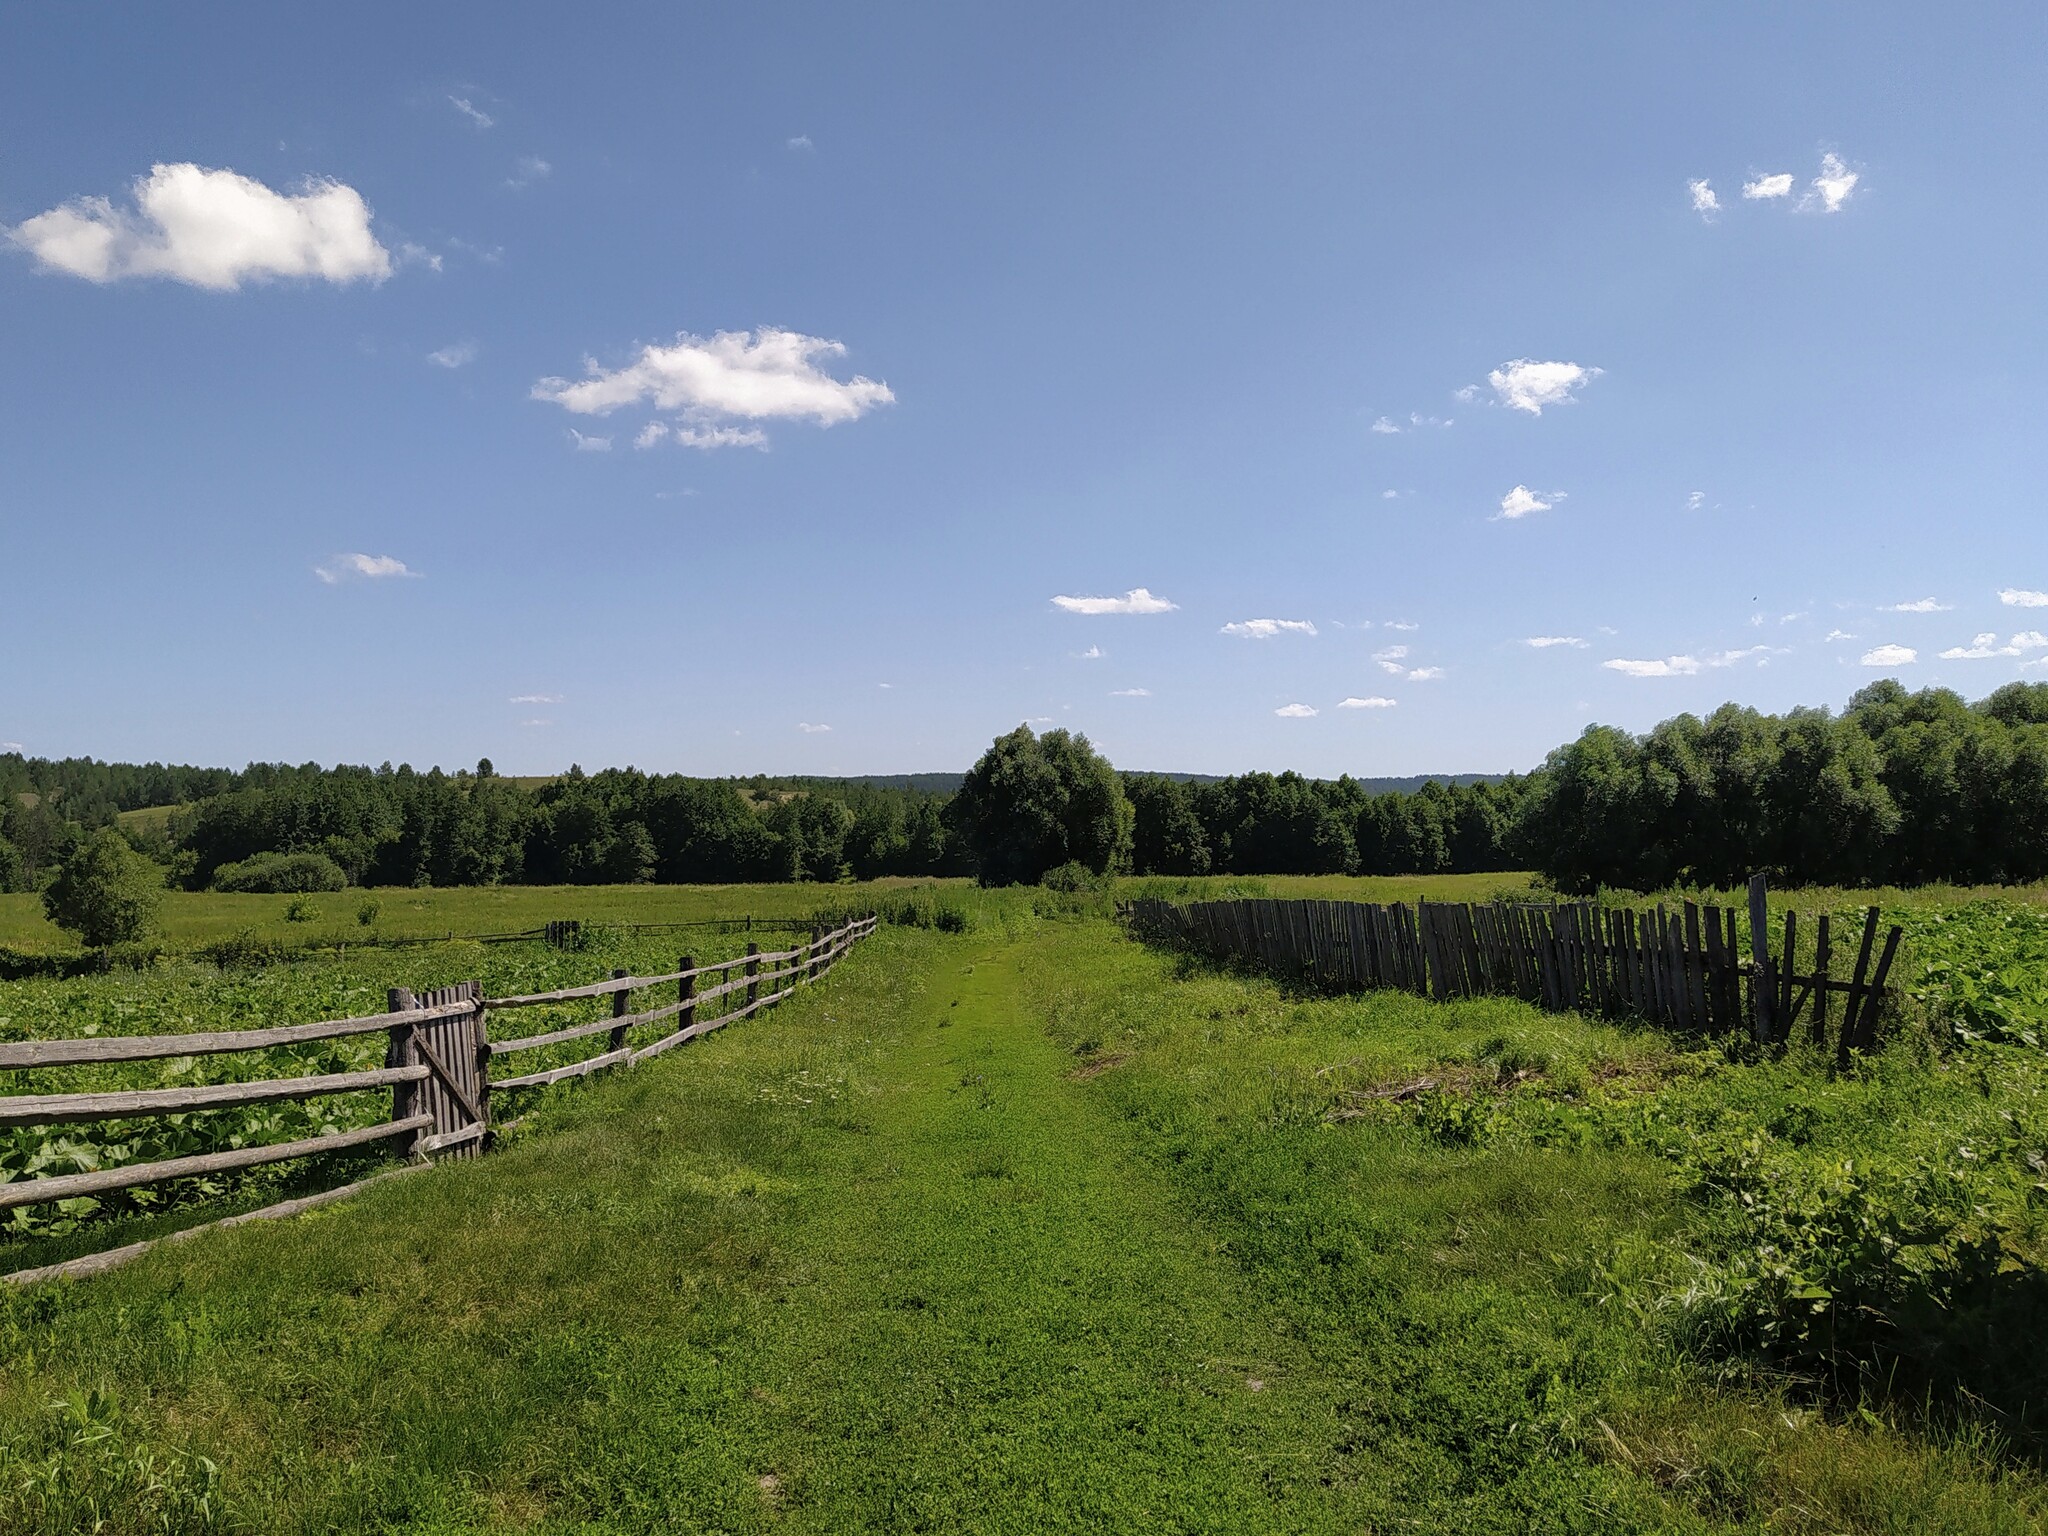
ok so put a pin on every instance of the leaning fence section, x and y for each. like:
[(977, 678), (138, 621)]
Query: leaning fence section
[(1683, 967), (440, 1066)]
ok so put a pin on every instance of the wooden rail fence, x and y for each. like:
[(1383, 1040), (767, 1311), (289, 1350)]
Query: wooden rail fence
[(438, 1066), (1681, 968)]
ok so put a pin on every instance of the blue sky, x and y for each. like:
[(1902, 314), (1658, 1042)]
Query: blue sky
[(311, 326)]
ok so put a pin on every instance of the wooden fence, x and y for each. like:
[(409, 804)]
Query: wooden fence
[(438, 1066), (1682, 968)]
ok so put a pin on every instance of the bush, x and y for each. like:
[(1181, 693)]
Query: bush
[(1073, 877), (281, 874), (300, 910), (367, 910), (105, 892)]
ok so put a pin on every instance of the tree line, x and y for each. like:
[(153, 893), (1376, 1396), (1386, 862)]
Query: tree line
[(1898, 788)]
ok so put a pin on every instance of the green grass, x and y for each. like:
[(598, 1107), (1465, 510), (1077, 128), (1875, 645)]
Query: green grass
[(1023, 1229)]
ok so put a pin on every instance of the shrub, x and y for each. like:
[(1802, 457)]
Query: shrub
[(300, 910), (1073, 877), (367, 910), (105, 892), (281, 874)]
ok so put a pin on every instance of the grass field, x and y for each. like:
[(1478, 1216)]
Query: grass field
[(1028, 1228)]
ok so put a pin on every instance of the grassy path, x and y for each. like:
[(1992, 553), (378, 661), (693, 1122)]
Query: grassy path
[(1013, 1232)]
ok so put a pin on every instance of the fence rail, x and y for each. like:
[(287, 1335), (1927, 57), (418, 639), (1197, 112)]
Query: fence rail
[(437, 1065), (1681, 968)]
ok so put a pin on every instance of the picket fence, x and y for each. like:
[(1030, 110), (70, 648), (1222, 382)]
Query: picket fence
[(437, 1066), (1682, 968)]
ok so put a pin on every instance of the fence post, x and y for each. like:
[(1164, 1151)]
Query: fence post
[(483, 1063), (1760, 981), (685, 990), (403, 1052), (753, 970), (621, 1001)]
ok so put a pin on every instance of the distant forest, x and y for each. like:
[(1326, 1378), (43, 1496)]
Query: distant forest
[(1898, 788)]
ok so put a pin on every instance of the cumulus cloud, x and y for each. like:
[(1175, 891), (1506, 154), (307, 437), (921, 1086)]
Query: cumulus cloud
[(458, 355), (1704, 202), (1521, 501), (801, 141), (1695, 501), (1890, 656), (1137, 600), (537, 698), (1838, 634), (1527, 385), (809, 729), (1390, 659), (1424, 674), (1919, 605), (1130, 693), (1295, 711), (587, 444), (1266, 629), (1777, 185), (12, 746), (366, 567), (1545, 642), (469, 110), (1688, 666), (1386, 426), (1831, 188), (747, 376), (1372, 702), (1986, 646), (1402, 624), (2019, 597), (212, 229), (1093, 653)]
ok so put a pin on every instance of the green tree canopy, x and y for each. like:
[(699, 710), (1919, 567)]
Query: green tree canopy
[(105, 892), (1033, 803)]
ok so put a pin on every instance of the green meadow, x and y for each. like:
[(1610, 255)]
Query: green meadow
[(1015, 1225)]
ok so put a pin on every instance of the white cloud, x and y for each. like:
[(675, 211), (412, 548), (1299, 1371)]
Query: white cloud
[(1093, 653), (1266, 629), (1526, 385), (1689, 666), (536, 722), (1295, 711), (1833, 185), (1919, 605), (1695, 501), (1704, 202), (1778, 185), (1390, 659), (1890, 656), (474, 113), (1545, 642), (537, 698), (1403, 624), (2019, 597), (1386, 426), (368, 567), (690, 435), (12, 746), (1137, 600), (1837, 634), (1986, 646), (1130, 693), (1390, 495), (811, 730), (1425, 674), (801, 141), (762, 375), (1372, 702), (1521, 501), (531, 168), (212, 229), (586, 444), (459, 354)]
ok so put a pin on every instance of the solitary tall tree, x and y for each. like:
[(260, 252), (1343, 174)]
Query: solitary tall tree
[(1034, 803), (105, 892)]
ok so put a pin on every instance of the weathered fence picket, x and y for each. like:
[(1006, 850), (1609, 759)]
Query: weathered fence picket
[(1681, 969)]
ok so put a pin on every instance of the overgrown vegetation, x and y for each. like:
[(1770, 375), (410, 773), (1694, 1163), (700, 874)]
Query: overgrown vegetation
[(1016, 1223)]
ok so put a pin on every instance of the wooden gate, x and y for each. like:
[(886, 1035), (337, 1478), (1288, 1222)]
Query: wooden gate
[(454, 1053)]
